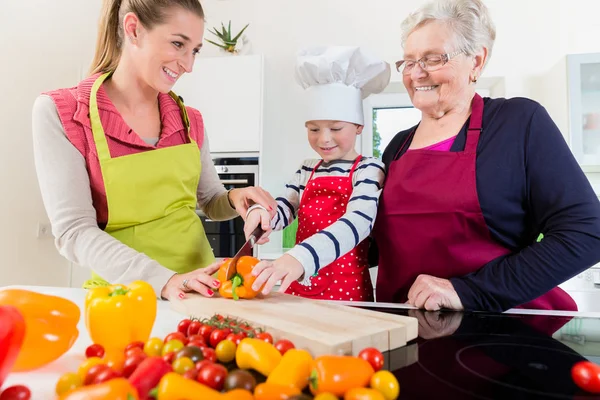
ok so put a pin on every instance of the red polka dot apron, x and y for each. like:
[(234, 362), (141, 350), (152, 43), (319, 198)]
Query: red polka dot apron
[(323, 202)]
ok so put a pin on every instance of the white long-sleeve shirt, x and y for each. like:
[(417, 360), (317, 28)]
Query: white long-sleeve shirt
[(341, 236)]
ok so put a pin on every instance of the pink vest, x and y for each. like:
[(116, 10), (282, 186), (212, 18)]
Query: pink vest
[(73, 109)]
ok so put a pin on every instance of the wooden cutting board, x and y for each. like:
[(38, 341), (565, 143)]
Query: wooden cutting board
[(321, 327)]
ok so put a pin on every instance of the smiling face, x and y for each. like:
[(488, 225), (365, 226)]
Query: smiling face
[(333, 140), (437, 92), (167, 51)]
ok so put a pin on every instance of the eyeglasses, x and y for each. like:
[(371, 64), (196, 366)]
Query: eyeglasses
[(429, 63)]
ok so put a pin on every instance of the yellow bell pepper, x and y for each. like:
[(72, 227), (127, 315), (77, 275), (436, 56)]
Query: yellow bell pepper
[(174, 386), (117, 315), (258, 355), (293, 370)]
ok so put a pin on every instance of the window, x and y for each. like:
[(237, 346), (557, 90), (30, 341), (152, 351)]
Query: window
[(387, 122)]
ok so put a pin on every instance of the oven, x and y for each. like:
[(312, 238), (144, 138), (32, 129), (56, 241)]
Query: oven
[(227, 237)]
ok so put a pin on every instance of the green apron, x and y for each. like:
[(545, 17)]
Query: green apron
[(152, 200)]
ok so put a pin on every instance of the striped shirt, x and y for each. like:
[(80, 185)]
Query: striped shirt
[(315, 253)]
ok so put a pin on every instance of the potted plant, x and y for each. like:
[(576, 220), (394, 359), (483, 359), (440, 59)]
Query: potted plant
[(228, 43)]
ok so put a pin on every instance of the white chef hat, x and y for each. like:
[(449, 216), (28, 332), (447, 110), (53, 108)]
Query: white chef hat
[(337, 79)]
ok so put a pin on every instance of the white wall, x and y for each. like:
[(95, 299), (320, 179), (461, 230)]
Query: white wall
[(44, 44)]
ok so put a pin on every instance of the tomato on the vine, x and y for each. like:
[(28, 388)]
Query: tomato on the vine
[(236, 337), (183, 326), (94, 350), (205, 331), (373, 357), (266, 336), (194, 328), (284, 345), (218, 335)]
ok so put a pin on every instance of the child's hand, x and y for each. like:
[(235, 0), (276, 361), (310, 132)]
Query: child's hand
[(257, 217), (286, 268)]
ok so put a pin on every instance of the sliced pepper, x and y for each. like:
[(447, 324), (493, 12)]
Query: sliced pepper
[(117, 315), (50, 326), (114, 389), (240, 285), (274, 391), (148, 374), (173, 386), (293, 370), (258, 355), (339, 374), (12, 334)]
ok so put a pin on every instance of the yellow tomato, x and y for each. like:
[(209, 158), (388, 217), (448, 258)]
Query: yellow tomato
[(87, 364), (225, 351), (386, 383), (326, 396), (183, 365), (172, 346), (153, 347), (363, 394), (68, 382)]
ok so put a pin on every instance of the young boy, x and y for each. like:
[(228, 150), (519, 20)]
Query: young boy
[(334, 198)]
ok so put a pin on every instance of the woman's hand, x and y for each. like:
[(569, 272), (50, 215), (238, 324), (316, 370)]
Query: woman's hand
[(199, 281), (433, 294), (245, 197), (286, 268), (256, 217)]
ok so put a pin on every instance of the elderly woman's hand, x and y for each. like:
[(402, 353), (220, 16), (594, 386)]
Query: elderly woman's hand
[(200, 281), (433, 294)]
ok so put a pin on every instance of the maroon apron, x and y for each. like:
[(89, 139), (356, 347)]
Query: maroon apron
[(323, 202), (430, 222)]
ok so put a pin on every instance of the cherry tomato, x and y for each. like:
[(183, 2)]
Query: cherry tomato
[(191, 374), (87, 364), (106, 375), (205, 331), (93, 372), (266, 336), (196, 343), (202, 364), (16, 392), (284, 345), (218, 335), (94, 350), (169, 357), (213, 375), (363, 394), (132, 351), (209, 354), (373, 357), (192, 352), (386, 383), (184, 325), (134, 345), (225, 351), (132, 362), (182, 365), (196, 338), (586, 375), (176, 336), (67, 382), (172, 347), (236, 337), (194, 328), (153, 347)]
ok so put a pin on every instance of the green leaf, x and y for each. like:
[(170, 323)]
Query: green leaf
[(224, 32), (229, 31), (225, 47), (214, 32), (239, 34)]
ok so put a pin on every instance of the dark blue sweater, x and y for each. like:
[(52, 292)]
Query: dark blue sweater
[(528, 183)]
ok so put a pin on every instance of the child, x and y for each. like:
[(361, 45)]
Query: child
[(334, 198)]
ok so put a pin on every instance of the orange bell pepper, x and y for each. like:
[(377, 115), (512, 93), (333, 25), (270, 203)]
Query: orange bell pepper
[(114, 389), (274, 391), (12, 333), (174, 386), (294, 369), (339, 374), (117, 315), (51, 326), (240, 286)]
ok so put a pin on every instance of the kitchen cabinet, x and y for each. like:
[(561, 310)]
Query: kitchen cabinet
[(583, 78), (228, 91)]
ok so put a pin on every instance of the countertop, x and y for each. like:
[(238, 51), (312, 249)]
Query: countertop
[(42, 381)]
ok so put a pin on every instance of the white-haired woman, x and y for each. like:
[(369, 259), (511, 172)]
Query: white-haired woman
[(471, 187)]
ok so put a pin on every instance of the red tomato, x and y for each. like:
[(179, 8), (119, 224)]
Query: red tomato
[(198, 344), (284, 345), (373, 357), (205, 331), (106, 375), (94, 350), (191, 374), (236, 337), (91, 374), (132, 362), (218, 335), (176, 336), (209, 354), (196, 338), (194, 328), (266, 336), (184, 325), (16, 392), (586, 375), (169, 357), (134, 350), (213, 375), (132, 346), (201, 364)]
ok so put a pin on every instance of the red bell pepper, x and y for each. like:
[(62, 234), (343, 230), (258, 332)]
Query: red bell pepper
[(12, 334), (148, 374)]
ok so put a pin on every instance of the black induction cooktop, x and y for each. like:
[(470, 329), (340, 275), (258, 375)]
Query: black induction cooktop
[(493, 356)]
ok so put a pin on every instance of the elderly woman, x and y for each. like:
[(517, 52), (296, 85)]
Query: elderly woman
[(471, 187)]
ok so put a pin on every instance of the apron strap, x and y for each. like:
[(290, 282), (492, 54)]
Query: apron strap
[(313, 171), (475, 124), (358, 160), (184, 114)]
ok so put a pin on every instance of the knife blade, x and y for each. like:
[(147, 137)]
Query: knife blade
[(245, 250)]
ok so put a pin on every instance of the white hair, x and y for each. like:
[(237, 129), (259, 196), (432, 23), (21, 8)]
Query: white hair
[(469, 19)]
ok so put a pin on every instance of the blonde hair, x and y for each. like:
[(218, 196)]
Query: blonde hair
[(110, 29), (469, 19)]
